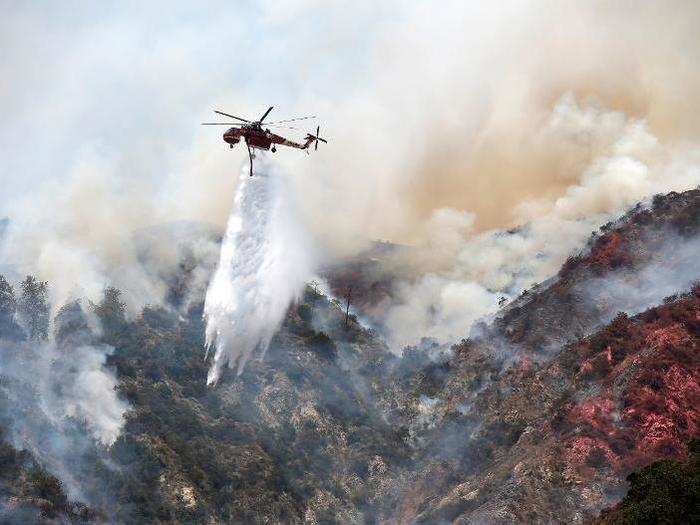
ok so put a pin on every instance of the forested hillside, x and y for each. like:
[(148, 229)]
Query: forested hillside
[(541, 415)]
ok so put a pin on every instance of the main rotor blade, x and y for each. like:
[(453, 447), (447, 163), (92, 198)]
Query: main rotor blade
[(232, 116), (266, 114), (222, 124), (291, 120), (282, 126)]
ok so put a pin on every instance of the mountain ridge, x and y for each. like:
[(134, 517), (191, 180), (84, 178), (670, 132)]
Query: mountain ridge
[(557, 400)]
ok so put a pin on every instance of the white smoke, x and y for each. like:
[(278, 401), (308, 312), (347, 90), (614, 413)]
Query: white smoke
[(672, 270), (62, 405), (469, 273), (476, 135), (266, 257), (469, 137), (73, 384)]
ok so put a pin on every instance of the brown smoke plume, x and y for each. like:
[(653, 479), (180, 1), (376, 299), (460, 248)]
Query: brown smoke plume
[(488, 113)]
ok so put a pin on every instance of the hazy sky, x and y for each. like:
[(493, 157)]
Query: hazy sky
[(129, 82), (444, 119), (136, 78)]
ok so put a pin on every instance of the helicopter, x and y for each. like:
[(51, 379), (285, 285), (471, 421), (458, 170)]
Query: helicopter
[(255, 137)]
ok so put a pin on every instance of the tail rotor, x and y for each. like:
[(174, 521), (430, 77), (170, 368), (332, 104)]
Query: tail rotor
[(316, 138)]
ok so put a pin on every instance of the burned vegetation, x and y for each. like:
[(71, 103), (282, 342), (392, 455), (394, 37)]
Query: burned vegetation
[(562, 407)]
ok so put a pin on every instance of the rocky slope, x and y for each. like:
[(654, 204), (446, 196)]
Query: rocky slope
[(538, 417), (555, 442), (542, 416)]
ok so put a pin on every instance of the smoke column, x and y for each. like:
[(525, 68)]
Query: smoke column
[(266, 258), (464, 272)]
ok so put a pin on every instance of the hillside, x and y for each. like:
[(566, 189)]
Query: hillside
[(540, 416)]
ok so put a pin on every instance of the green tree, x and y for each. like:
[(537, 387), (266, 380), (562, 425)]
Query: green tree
[(111, 312), (8, 309), (33, 308), (667, 491), (8, 303), (71, 325)]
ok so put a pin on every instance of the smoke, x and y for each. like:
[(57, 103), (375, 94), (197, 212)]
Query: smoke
[(266, 257), (673, 270), (445, 125), (86, 232), (464, 274), (459, 100), (59, 401)]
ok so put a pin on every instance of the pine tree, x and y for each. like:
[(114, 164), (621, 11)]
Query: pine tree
[(111, 312), (71, 326), (8, 309), (33, 308), (8, 303)]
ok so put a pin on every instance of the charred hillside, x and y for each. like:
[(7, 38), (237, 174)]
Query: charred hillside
[(555, 442), (540, 416), (508, 433), (629, 265)]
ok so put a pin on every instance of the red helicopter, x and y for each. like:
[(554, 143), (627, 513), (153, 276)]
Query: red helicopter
[(258, 138)]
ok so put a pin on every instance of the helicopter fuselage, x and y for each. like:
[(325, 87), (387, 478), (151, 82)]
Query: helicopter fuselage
[(257, 138)]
